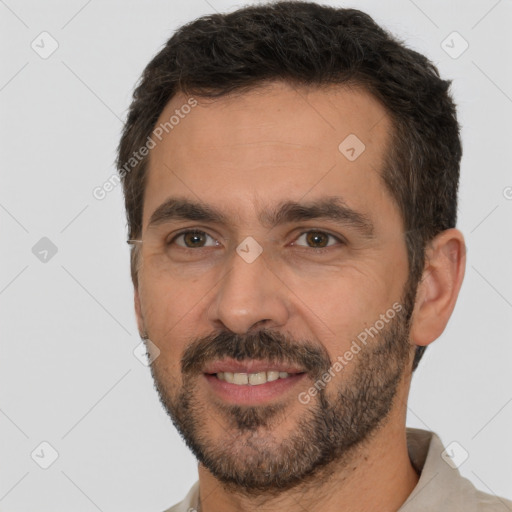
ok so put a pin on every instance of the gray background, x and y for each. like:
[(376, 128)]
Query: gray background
[(68, 375)]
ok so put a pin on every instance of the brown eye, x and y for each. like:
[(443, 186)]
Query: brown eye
[(316, 239), (193, 239)]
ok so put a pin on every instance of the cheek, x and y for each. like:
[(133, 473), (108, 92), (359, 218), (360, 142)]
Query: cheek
[(171, 310), (166, 297), (341, 307)]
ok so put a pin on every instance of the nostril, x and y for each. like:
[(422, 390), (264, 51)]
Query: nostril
[(257, 325)]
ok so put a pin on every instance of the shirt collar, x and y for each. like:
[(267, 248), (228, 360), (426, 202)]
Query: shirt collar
[(440, 487)]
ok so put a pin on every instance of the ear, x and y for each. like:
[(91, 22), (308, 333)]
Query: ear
[(438, 289)]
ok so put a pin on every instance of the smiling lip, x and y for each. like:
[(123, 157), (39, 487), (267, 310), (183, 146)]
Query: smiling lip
[(247, 394)]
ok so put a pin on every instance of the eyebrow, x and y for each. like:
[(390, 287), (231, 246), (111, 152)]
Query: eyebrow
[(329, 208), (184, 209)]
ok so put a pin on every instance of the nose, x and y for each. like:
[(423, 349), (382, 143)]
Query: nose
[(249, 295)]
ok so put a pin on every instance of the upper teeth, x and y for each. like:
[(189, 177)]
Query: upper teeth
[(253, 379)]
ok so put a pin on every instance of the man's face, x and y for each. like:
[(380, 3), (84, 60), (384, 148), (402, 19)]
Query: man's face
[(296, 252)]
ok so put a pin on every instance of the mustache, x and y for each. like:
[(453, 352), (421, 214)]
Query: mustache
[(264, 345)]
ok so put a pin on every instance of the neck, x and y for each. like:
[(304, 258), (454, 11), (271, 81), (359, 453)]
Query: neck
[(377, 475)]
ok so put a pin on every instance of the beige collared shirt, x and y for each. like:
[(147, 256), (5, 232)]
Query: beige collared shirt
[(441, 488)]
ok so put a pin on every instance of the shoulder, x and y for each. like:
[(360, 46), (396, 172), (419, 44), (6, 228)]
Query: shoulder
[(441, 486), (489, 503)]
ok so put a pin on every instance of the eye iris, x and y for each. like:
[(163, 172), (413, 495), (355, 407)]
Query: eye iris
[(317, 239), (194, 239)]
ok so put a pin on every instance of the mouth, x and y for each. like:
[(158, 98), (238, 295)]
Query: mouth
[(251, 382), (253, 379)]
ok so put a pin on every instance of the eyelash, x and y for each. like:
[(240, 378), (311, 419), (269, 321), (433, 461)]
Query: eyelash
[(317, 250)]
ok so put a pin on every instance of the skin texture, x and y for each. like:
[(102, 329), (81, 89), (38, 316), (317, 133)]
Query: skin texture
[(244, 154)]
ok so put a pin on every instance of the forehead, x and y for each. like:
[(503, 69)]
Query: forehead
[(277, 141)]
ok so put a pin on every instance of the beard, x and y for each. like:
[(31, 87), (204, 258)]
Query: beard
[(247, 456)]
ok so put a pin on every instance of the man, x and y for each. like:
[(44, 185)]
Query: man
[(290, 174)]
